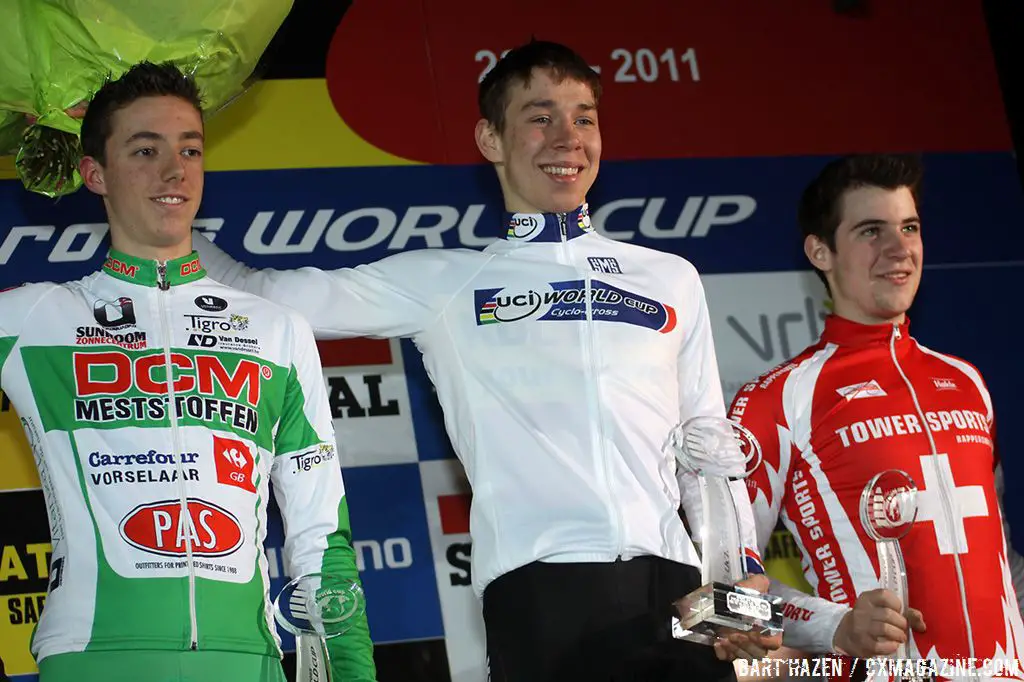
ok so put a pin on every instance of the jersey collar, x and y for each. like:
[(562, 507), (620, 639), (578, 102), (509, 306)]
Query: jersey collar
[(844, 332), (548, 227), (153, 273)]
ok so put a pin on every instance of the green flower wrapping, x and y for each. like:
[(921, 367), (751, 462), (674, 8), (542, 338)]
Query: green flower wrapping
[(55, 54)]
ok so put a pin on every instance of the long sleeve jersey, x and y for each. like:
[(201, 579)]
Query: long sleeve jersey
[(562, 360), (863, 399), (160, 405)]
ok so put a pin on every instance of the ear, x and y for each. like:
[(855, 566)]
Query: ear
[(818, 253), (92, 175), (488, 141)]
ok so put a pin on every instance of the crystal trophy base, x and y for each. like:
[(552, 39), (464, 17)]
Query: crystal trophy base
[(708, 609)]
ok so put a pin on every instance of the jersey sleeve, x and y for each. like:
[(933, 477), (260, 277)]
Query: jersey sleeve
[(15, 308), (394, 297), (758, 408), (700, 394), (310, 491), (809, 621)]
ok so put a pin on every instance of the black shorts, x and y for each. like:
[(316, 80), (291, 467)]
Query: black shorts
[(598, 622)]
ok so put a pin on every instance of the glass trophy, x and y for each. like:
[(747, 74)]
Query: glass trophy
[(317, 607), (718, 451), (888, 510)]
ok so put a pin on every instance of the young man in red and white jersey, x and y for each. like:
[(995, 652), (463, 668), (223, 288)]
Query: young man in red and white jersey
[(865, 398)]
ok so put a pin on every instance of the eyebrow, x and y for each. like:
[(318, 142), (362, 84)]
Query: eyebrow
[(871, 222), (150, 135), (550, 104)]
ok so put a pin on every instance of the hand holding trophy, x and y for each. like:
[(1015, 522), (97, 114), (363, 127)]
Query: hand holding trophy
[(317, 607), (718, 450), (888, 510)]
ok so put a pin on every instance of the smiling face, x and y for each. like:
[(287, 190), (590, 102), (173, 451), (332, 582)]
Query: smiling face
[(152, 178), (548, 153), (875, 269)]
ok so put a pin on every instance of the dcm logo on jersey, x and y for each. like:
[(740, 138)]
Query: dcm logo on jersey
[(568, 301), (114, 374)]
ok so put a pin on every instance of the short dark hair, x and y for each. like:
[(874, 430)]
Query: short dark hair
[(144, 79), (820, 210), (517, 67)]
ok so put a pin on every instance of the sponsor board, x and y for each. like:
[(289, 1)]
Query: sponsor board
[(393, 554), (24, 574), (369, 400), (722, 215)]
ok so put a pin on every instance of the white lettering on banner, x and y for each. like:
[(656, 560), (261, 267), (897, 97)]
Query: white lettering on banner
[(62, 251), (694, 219), (254, 242), (208, 227), (386, 221), (40, 233), (394, 553), (418, 222)]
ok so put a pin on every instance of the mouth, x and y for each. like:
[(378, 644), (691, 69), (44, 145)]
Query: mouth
[(897, 277), (562, 172), (170, 199)]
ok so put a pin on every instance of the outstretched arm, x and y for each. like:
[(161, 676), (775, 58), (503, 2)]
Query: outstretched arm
[(396, 296)]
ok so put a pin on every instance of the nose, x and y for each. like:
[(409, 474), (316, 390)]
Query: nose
[(565, 133), (896, 244), (174, 168)]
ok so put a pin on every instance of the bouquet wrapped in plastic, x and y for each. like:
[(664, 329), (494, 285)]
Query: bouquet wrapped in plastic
[(55, 54)]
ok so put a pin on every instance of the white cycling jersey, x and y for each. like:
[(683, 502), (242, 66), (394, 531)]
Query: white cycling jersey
[(562, 360)]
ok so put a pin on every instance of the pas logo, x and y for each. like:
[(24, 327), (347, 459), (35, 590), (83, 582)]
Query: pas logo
[(235, 463), (569, 301), (865, 389), (120, 313), (161, 528), (211, 304), (944, 384)]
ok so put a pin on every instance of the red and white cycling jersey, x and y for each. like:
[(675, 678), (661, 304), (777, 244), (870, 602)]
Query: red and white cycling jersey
[(864, 399)]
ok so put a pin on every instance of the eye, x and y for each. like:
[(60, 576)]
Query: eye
[(584, 120), (869, 232), (541, 119), (912, 228), (145, 151), (192, 152)]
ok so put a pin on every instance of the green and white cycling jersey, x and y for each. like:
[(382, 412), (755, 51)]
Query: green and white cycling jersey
[(160, 405)]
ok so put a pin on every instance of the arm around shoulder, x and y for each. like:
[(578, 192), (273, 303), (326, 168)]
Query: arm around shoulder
[(396, 296)]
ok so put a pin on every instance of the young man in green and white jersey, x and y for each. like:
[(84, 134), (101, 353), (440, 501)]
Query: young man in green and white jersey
[(160, 405)]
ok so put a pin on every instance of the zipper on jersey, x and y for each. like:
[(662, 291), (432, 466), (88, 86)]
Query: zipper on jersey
[(593, 392), (164, 288), (944, 495)]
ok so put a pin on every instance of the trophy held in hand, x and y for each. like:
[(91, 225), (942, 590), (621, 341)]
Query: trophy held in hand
[(888, 510), (718, 451), (315, 608)]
